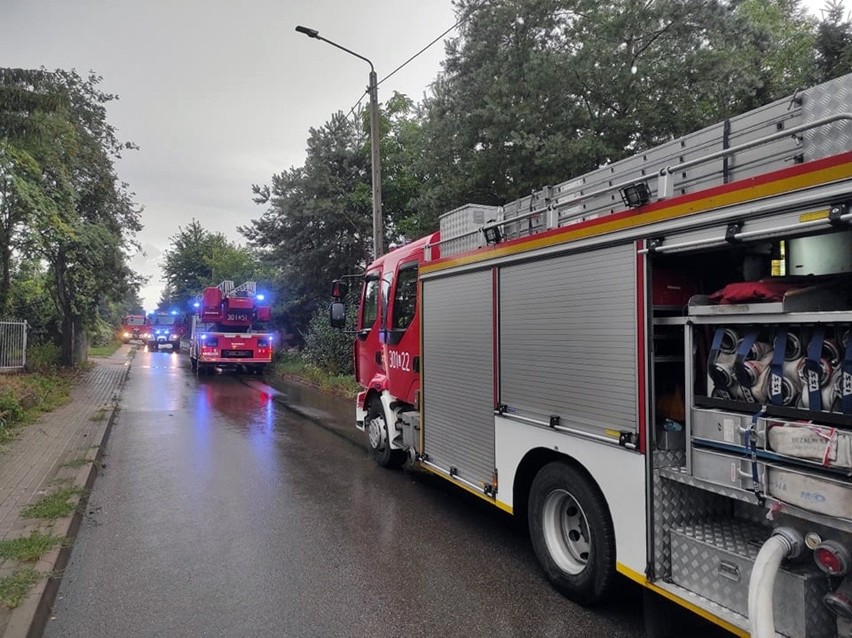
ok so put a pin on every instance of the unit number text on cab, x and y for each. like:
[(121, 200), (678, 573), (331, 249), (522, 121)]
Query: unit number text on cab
[(399, 360)]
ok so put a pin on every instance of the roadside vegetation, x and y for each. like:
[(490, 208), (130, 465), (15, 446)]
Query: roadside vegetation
[(30, 548), (294, 367), (43, 387), (105, 350), (15, 587), (58, 504)]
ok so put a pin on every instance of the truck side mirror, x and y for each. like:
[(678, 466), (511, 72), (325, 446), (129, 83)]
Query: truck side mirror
[(339, 289), (337, 314)]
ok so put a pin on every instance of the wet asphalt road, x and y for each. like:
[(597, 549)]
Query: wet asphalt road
[(222, 513)]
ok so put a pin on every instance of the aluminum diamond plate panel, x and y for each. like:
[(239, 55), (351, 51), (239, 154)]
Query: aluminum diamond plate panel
[(821, 101), (715, 559), (677, 504)]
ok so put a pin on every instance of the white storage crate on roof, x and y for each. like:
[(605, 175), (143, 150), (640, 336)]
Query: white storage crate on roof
[(460, 228)]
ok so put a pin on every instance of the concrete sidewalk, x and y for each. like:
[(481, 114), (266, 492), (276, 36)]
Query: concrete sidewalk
[(60, 450)]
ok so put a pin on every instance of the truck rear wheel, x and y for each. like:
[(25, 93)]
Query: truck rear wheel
[(378, 437), (572, 533)]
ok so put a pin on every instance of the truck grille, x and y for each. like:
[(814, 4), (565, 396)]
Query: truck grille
[(237, 354)]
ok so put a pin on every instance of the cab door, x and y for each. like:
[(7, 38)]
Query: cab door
[(368, 354), (402, 334)]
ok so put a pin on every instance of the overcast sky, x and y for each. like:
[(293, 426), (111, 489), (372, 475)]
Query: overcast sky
[(220, 94)]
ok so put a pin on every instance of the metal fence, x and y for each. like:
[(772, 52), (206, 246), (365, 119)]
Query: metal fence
[(13, 345)]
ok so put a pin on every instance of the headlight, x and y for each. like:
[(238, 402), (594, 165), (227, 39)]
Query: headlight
[(173, 338), (126, 334)]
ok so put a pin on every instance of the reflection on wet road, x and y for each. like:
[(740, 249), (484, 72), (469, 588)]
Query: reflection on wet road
[(222, 513)]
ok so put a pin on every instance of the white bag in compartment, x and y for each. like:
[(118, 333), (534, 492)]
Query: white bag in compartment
[(819, 443), (811, 493)]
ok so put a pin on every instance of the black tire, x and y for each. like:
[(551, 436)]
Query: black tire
[(377, 430), (260, 369), (571, 533), (176, 346)]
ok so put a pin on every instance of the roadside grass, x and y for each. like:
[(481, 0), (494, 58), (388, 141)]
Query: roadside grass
[(104, 351), (292, 366), (25, 395), (77, 463), (100, 415), (28, 548), (55, 505), (15, 587)]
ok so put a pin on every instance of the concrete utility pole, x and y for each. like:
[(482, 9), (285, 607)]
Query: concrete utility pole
[(376, 162)]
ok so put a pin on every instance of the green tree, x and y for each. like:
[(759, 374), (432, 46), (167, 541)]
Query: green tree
[(833, 42), (318, 220), (63, 202), (540, 91), (197, 258)]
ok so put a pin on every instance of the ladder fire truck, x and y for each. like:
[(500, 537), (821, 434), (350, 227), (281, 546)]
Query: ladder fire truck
[(651, 363), (226, 332)]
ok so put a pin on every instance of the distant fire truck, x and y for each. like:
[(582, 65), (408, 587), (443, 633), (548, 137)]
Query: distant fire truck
[(132, 328), (652, 363), (227, 329), (164, 328)]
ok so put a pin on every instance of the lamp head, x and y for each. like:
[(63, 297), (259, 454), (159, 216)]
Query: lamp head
[(311, 33)]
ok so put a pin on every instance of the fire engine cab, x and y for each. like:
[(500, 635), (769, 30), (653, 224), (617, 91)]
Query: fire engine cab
[(652, 363)]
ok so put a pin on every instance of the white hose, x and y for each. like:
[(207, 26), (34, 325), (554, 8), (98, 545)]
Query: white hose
[(761, 584)]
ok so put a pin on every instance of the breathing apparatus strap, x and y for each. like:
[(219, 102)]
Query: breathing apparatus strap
[(776, 368), (812, 369), (739, 369), (846, 379)]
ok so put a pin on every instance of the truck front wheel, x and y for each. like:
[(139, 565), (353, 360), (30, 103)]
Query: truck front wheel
[(378, 437), (572, 533)]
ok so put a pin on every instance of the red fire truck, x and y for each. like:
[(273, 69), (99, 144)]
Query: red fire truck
[(132, 328), (651, 363), (227, 330), (165, 328)]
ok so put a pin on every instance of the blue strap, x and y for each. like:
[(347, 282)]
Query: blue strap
[(846, 378), (813, 369), (776, 368), (750, 443), (720, 389), (717, 343), (739, 369)]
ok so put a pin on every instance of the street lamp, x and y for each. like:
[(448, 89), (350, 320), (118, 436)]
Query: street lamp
[(374, 140)]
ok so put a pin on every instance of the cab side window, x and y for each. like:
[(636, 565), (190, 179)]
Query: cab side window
[(369, 302), (405, 297)]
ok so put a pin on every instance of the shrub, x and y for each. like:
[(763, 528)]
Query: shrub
[(42, 357), (328, 348)]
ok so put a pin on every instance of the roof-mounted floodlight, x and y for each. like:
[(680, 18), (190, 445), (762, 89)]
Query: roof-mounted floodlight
[(492, 235), (635, 195)]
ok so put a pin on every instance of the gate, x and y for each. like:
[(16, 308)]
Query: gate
[(13, 345)]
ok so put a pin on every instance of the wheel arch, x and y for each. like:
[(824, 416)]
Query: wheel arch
[(531, 464)]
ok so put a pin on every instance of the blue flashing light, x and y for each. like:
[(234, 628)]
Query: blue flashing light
[(196, 305), (203, 337), (260, 297), (174, 312)]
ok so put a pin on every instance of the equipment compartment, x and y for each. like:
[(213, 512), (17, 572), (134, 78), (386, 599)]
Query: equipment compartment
[(714, 559)]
